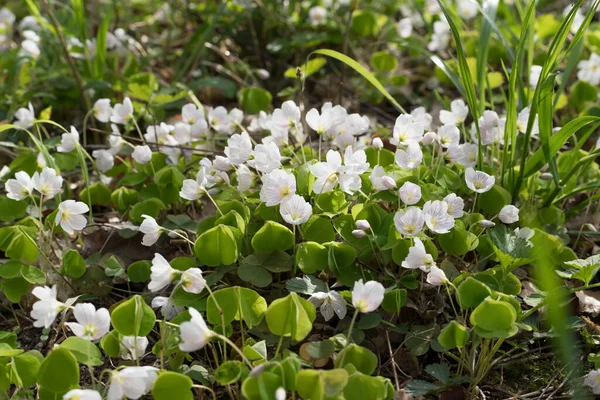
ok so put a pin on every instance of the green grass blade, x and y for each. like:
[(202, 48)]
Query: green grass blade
[(537, 160), (361, 70), (483, 47), (467, 79), (100, 58), (545, 124)]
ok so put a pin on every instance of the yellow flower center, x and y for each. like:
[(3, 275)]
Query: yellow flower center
[(410, 228), (66, 215), (89, 330), (284, 191), (361, 305)]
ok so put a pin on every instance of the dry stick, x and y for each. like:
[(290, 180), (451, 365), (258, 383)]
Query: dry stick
[(387, 335), (67, 54)]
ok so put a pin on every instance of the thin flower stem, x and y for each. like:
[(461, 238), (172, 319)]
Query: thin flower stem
[(202, 387), (352, 322), (237, 349), (213, 201)]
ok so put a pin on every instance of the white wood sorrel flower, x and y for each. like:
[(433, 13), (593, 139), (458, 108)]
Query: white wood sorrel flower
[(329, 303), (69, 216), (479, 181), (367, 297), (150, 229), (48, 182), (131, 382), (409, 222), (91, 324), (20, 187), (45, 310), (295, 210), (418, 258), (277, 185), (194, 333), (82, 394)]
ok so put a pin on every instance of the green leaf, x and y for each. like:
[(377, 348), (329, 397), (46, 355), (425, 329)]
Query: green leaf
[(254, 274), (394, 300), (360, 69), (111, 344), (59, 371), (133, 317), (307, 69), (123, 198), (15, 288), (11, 269), (494, 199), (151, 207), (493, 315), (364, 23), (142, 85), (73, 264), (471, 292), (318, 229), (25, 368), (11, 210), (453, 335), (262, 386), (237, 303), (308, 284), (320, 350), (95, 194), (217, 246), (291, 316), (254, 99), (441, 372), (139, 271), (417, 387), (361, 386), (7, 351), (171, 385), (384, 61), (321, 384), (100, 57), (271, 237), (311, 257), (229, 372), (363, 359), (85, 352), (33, 275)]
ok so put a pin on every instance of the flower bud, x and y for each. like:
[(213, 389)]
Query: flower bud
[(263, 74), (546, 176), (363, 224), (359, 234), (388, 182), (377, 144), (484, 223), (429, 138)]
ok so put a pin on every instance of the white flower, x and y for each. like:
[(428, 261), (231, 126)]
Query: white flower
[(440, 37), (509, 214), (489, 127), (363, 224), (47, 308), (377, 179), (47, 183), (122, 112), (150, 229), (131, 382), (523, 119), (25, 117), (82, 394), (194, 333), (162, 274), (437, 217), (142, 154), (317, 15), (458, 114), (368, 296), (418, 258), (285, 118), (410, 193), (410, 158), (295, 210), (448, 135), (329, 303), (319, 122), (219, 120), (455, 204), (244, 178), (464, 154), (355, 161), (406, 131), (7, 18), (525, 234), (115, 140), (589, 70), (239, 148), (167, 308), (359, 233), (91, 324), (357, 124), (377, 143), (194, 189), (277, 185), (436, 276), (69, 216), (332, 172), (194, 117), (133, 347), (41, 161), (192, 280), (266, 158), (479, 181), (160, 134), (404, 28), (467, 9), (69, 141), (20, 187), (592, 379), (422, 117), (30, 48), (280, 394), (534, 75), (102, 110), (409, 222), (104, 159)]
